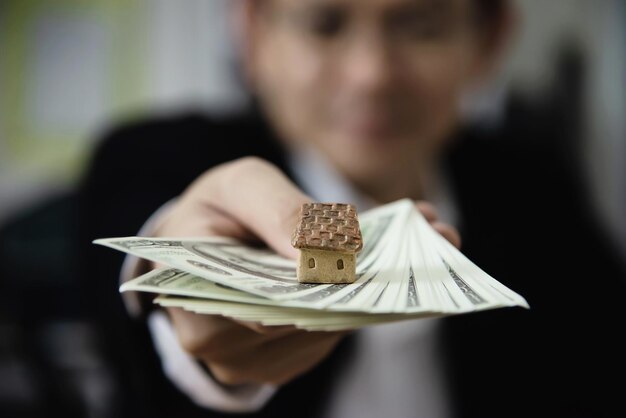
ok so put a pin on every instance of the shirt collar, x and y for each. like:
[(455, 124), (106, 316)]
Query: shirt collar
[(323, 182)]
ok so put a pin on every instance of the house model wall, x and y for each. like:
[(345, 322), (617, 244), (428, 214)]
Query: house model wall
[(328, 237), (321, 266)]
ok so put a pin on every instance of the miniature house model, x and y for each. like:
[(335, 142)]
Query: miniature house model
[(328, 237)]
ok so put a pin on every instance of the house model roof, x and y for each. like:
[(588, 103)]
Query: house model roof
[(328, 226)]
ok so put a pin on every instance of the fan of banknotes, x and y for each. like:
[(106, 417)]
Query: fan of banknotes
[(406, 270)]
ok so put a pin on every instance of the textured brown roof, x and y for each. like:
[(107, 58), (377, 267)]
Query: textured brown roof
[(328, 226)]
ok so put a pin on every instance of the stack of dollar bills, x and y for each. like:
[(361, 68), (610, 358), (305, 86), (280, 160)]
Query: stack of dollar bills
[(406, 270)]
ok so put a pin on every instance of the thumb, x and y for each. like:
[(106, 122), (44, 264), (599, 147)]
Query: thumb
[(259, 196)]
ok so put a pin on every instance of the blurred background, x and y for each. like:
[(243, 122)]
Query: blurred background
[(71, 68)]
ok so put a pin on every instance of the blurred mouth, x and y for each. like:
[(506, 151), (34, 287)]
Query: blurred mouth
[(370, 127)]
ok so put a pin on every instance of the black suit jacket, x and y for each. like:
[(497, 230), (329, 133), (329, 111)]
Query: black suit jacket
[(526, 220)]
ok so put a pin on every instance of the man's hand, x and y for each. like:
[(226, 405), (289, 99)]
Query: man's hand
[(250, 199)]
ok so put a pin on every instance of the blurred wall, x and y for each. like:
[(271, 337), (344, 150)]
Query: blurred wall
[(67, 67), (606, 110), (70, 67), (596, 29)]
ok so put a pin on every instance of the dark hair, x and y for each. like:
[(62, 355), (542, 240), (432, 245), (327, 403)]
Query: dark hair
[(488, 18), (489, 11)]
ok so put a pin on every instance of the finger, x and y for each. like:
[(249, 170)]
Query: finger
[(277, 361), (259, 196), (270, 330), (210, 335), (191, 217), (427, 210), (448, 232), (214, 337)]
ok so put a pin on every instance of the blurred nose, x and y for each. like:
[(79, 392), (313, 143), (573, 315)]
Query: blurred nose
[(368, 66)]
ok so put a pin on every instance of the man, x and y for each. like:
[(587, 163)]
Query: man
[(363, 98)]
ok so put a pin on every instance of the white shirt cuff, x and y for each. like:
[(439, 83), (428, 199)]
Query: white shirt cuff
[(183, 370)]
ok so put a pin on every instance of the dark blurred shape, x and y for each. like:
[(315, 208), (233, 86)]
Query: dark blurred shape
[(52, 356), (37, 267), (567, 99)]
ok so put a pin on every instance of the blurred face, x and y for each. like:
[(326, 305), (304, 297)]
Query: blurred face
[(373, 84)]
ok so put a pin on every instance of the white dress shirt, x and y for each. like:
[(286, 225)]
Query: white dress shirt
[(394, 370)]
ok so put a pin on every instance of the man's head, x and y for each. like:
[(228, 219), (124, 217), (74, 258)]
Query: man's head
[(375, 85)]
